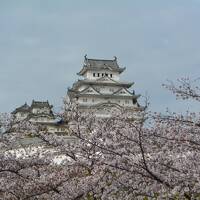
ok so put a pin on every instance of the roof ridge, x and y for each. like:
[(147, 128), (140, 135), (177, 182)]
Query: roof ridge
[(100, 59), (122, 88), (40, 101), (115, 59), (90, 86), (118, 90)]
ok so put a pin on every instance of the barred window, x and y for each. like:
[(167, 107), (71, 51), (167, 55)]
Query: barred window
[(126, 101), (84, 99)]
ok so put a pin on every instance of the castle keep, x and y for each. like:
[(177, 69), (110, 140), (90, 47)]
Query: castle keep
[(100, 87)]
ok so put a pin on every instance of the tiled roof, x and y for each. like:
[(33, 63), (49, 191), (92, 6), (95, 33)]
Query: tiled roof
[(98, 64), (35, 104), (23, 108), (40, 104), (77, 84)]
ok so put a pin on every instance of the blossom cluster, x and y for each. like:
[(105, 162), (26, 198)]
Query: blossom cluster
[(110, 159)]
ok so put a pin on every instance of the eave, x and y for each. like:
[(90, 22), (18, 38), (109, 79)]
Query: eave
[(76, 94), (90, 83), (96, 106), (41, 115), (86, 68), (20, 111)]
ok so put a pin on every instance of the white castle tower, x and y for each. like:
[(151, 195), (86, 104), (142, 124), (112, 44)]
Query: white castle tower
[(101, 88)]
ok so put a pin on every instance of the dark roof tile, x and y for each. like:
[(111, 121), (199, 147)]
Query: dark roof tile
[(100, 64), (40, 104), (23, 108)]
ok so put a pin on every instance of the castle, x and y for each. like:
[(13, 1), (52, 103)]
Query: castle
[(40, 112), (101, 89)]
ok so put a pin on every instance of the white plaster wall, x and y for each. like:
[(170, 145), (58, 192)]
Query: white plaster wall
[(53, 129), (90, 101), (21, 116), (98, 100), (41, 119), (123, 102), (40, 110), (108, 89), (35, 110)]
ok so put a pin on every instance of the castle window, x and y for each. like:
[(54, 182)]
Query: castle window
[(84, 99), (102, 74), (93, 74), (106, 74), (111, 90), (111, 75), (122, 92), (126, 101), (98, 74)]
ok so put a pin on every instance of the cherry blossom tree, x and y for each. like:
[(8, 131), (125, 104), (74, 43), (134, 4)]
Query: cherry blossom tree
[(111, 158)]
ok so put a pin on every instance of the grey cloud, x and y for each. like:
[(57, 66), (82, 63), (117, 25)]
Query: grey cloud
[(42, 44)]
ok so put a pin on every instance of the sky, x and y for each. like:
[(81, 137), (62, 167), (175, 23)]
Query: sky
[(43, 43)]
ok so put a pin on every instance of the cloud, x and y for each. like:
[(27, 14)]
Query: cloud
[(42, 45)]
